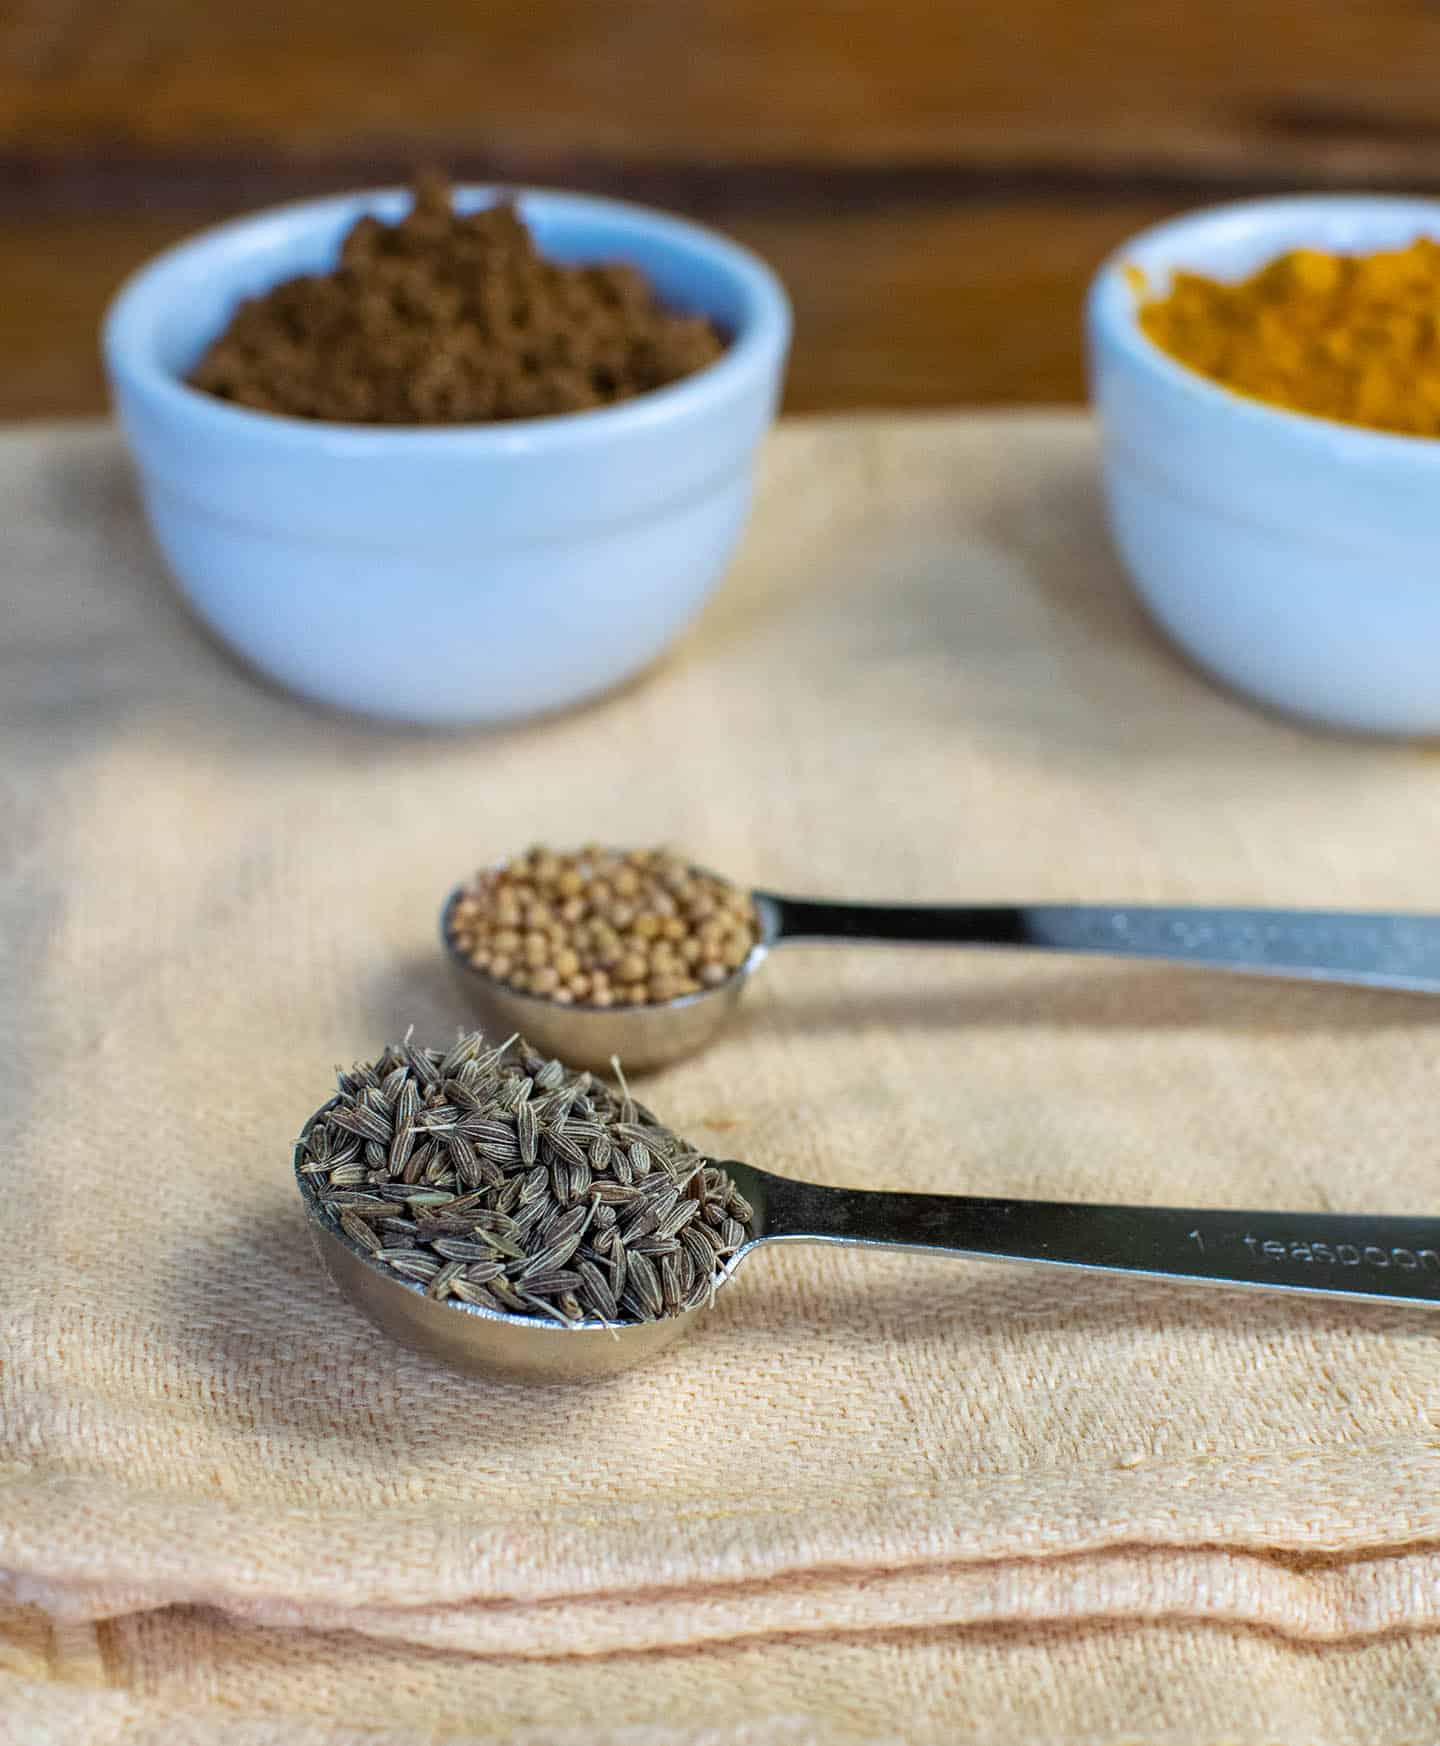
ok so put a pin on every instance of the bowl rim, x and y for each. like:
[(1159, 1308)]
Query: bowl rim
[(760, 341), (1110, 318)]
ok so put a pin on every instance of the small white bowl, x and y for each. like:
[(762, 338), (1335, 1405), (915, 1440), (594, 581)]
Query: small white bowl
[(450, 574), (1295, 558)]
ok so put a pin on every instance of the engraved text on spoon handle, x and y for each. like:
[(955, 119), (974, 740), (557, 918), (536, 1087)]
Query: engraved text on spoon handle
[(1327, 1254)]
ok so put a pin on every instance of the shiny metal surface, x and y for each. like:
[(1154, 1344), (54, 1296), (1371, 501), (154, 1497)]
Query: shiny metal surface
[(640, 1037), (1372, 1257), (1369, 950), (1377, 1259), (1400, 952)]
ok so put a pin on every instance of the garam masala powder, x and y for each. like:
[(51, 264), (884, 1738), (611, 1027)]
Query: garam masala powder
[(452, 318)]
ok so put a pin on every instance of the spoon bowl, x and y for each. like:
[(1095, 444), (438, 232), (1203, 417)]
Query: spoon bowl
[(492, 1343), (642, 1038)]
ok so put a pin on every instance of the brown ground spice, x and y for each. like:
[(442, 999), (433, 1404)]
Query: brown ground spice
[(451, 319)]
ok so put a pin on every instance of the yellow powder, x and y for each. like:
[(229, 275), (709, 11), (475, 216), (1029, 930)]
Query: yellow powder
[(1348, 337)]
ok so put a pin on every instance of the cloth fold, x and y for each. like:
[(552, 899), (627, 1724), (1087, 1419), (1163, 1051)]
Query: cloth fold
[(925, 679), (194, 1675)]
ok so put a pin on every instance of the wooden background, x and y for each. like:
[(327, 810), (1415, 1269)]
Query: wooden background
[(935, 179)]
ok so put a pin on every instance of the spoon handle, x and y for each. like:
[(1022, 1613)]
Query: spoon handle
[(1320, 1254), (1381, 951)]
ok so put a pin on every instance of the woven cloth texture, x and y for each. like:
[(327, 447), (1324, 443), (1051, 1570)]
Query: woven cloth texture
[(923, 679)]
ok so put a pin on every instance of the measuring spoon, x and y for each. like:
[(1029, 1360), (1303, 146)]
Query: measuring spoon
[(1342, 1255), (1368, 950)]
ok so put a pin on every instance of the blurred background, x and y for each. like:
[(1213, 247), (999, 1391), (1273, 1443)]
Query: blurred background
[(934, 179)]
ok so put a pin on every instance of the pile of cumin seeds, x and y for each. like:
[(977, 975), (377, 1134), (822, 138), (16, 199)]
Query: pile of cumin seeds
[(500, 1178)]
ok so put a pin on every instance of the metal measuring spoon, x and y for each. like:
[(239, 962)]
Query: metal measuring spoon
[(1368, 950), (1385, 1260)]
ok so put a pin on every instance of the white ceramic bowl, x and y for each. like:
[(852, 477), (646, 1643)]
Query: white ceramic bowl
[(454, 574), (1295, 558)]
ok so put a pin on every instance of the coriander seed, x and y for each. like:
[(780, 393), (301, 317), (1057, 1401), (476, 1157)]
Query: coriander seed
[(600, 928)]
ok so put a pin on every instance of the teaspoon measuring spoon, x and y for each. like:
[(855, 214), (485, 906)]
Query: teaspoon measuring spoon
[(1368, 950), (1345, 1255)]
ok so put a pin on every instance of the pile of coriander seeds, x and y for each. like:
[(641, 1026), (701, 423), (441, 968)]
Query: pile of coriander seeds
[(600, 927), (504, 1180)]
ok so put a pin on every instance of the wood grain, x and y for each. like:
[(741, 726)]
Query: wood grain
[(1213, 85), (935, 182)]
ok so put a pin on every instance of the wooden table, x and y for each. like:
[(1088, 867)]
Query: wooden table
[(934, 181)]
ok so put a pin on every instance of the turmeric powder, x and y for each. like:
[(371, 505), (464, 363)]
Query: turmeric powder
[(1348, 337)]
